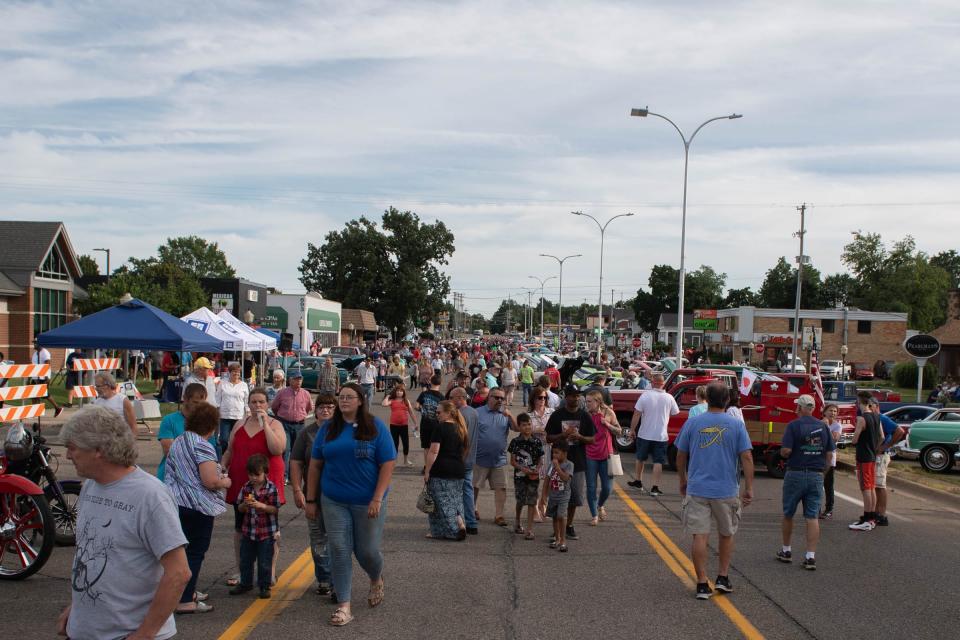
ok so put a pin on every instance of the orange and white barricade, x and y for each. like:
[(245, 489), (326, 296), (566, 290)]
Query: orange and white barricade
[(25, 392), (93, 364)]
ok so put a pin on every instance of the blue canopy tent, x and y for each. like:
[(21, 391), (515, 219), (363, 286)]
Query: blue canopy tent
[(130, 325), (269, 333)]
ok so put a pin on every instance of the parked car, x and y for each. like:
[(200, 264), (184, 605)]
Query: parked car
[(862, 371), (310, 368), (342, 351), (935, 441), (905, 416), (798, 366), (833, 370)]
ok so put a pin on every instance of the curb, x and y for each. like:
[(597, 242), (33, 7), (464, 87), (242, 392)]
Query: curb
[(896, 481)]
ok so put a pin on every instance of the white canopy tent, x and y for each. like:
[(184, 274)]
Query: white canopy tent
[(215, 327), (264, 342)]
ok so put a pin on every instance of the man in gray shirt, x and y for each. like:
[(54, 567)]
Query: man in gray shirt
[(130, 565), (459, 398)]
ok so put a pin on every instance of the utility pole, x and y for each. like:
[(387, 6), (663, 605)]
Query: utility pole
[(796, 312)]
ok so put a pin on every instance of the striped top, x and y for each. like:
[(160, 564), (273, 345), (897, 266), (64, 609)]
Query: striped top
[(182, 475)]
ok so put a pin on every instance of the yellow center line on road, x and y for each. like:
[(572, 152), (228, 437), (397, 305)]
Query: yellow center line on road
[(681, 565), (291, 585)]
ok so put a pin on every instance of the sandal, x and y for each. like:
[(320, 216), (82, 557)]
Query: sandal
[(593, 521), (529, 536), (603, 513), (562, 548), (339, 618), (375, 596), (553, 545), (500, 522), (201, 607), (199, 596), (233, 580), (518, 529)]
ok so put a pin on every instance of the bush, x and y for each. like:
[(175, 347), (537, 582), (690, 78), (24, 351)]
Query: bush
[(905, 375)]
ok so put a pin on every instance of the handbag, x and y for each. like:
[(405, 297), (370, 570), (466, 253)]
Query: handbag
[(425, 502), (614, 466)]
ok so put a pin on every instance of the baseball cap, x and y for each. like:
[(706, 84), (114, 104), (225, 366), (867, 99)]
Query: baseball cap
[(204, 362), (571, 389), (295, 373), (806, 400)]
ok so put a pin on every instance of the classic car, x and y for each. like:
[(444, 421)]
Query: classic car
[(862, 371), (905, 416), (935, 441), (310, 368)]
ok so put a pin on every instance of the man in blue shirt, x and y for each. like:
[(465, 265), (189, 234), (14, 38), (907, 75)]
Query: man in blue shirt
[(708, 449), (806, 443), (892, 434), (494, 423)]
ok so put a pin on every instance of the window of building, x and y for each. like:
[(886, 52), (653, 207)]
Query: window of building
[(729, 324), (828, 326), (49, 310), (252, 295), (863, 326), (54, 266)]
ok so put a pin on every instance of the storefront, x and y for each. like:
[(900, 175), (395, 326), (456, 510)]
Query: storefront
[(309, 317)]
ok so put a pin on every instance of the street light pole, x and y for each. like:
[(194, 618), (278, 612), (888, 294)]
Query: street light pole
[(603, 230), (542, 282), (107, 251), (560, 307), (796, 311), (643, 113)]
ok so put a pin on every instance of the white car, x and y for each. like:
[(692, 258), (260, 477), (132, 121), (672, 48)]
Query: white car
[(798, 366), (831, 370)]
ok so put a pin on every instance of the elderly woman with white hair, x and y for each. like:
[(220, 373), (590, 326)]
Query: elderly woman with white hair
[(128, 536), (109, 398), (279, 382)]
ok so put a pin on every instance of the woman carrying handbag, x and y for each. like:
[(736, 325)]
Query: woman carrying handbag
[(598, 452)]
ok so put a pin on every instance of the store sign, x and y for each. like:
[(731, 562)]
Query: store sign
[(922, 346), (773, 338), (325, 321), (275, 319), (221, 301), (812, 338), (705, 319)]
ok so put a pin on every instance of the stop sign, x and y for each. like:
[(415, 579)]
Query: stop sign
[(759, 348), (636, 343)]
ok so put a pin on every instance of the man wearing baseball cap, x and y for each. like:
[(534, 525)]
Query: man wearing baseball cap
[(806, 444), (201, 375)]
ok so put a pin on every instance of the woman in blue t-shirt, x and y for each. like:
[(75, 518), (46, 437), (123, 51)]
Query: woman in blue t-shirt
[(354, 456)]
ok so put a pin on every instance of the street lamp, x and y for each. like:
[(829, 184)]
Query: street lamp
[(560, 307), (542, 282), (643, 113), (843, 361), (353, 336), (107, 251), (603, 229), (751, 347)]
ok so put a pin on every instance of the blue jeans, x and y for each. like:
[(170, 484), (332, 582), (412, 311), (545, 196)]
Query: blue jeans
[(527, 386), (595, 468), (319, 550), (197, 529), (351, 533), (292, 430), (261, 553), (469, 508), (367, 393), (802, 486), (226, 426)]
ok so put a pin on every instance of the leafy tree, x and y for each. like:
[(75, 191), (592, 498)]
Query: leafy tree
[(393, 269), (88, 266), (865, 257), (779, 288), (837, 289), (703, 289), (193, 255), (949, 261), (739, 298), (163, 285)]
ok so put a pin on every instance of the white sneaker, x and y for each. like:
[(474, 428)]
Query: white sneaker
[(866, 525)]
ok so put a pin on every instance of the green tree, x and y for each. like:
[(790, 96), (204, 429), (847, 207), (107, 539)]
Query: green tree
[(165, 286), (193, 255), (703, 289), (393, 269), (779, 288), (838, 289), (88, 266), (739, 298), (949, 261)]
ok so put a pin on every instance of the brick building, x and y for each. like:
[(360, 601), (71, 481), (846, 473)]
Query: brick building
[(38, 273), (948, 360), (869, 335)]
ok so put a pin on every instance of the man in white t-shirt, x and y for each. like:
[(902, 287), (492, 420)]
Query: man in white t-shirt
[(42, 356), (652, 412)]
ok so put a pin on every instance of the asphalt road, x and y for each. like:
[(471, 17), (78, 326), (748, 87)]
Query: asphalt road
[(623, 579)]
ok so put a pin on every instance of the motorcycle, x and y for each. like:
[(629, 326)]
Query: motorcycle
[(40, 467), (26, 526)]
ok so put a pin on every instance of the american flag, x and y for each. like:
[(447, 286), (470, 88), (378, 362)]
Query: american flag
[(815, 372)]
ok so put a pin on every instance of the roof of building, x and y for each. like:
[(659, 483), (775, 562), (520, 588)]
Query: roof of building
[(25, 244), (669, 321), (361, 319), (949, 332), (8, 286)]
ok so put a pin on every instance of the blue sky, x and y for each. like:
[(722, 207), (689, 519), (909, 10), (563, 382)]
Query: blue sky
[(263, 126)]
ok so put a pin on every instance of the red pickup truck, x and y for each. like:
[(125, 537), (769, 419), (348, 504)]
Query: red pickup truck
[(766, 411)]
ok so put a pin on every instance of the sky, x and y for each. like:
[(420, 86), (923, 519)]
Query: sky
[(265, 125)]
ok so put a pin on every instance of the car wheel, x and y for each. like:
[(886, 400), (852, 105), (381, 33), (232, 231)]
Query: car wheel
[(625, 441), (937, 458), (776, 466)]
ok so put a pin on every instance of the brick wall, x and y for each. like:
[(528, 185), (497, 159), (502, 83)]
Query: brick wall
[(882, 343), (16, 331)]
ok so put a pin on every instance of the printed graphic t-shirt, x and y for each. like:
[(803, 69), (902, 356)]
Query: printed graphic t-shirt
[(714, 442), (123, 528), (809, 441)]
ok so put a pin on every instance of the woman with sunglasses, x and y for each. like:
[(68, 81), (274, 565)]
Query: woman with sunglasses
[(539, 413), (354, 456), (299, 462), (400, 412)]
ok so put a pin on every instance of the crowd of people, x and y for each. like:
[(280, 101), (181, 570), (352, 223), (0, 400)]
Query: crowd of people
[(230, 447)]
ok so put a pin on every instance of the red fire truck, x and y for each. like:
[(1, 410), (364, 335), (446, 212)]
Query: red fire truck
[(766, 411)]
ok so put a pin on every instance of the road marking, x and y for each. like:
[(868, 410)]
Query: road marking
[(859, 503), (291, 585), (681, 565)]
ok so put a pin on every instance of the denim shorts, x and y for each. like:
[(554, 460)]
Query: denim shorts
[(652, 448), (805, 486)]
